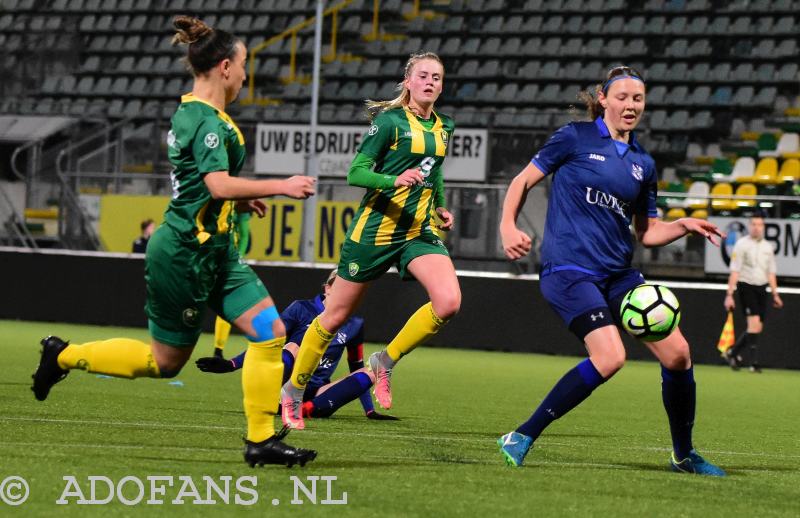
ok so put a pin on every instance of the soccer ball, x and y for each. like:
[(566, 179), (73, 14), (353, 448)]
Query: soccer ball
[(650, 312)]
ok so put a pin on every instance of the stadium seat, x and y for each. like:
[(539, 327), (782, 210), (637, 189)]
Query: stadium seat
[(766, 171), (699, 214), (743, 170), (724, 204), (790, 170), (675, 213), (746, 189), (697, 196), (789, 145)]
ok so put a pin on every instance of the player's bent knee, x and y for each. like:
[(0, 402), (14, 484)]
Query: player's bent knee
[(446, 306), (264, 325)]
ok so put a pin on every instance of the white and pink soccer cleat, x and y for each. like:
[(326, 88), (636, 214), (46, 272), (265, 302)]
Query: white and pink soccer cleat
[(292, 406), (383, 378)]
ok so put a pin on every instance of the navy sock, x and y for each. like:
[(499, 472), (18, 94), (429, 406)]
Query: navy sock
[(574, 387), (340, 394), (288, 365), (678, 391)]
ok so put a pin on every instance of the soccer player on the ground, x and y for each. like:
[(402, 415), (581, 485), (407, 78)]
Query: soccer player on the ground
[(602, 180), (241, 240), (752, 268), (322, 397), (191, 262), (400, 163)]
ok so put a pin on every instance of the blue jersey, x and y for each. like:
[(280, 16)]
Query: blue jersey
[(598, 186), (298, 316)]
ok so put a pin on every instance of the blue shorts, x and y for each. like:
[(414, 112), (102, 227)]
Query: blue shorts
[(587, 301)]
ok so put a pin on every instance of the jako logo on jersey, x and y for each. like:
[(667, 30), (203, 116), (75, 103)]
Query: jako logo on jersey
[(607, 201), (372, 130), (595, 156), (211, 140), (638, 172)]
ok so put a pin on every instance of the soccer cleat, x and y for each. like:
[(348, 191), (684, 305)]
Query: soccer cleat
[(733, 360), (274, 451), (696, 464), (218, 353), (292, 406), (48, 373), (383, 380), (514, 446)]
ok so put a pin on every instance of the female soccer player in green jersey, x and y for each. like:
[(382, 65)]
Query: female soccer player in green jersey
[(399, 162), (191, 261)]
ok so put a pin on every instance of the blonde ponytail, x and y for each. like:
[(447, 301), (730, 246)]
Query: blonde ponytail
[(374, 108)]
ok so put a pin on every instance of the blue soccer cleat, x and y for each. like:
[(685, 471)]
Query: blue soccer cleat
[(514, 446), (696, 464)]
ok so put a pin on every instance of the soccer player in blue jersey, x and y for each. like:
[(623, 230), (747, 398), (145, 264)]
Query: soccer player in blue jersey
[(603, 180), (322, 397)]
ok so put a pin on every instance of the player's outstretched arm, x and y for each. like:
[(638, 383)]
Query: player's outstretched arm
[(516, 243), (222, 186), (653, 232)]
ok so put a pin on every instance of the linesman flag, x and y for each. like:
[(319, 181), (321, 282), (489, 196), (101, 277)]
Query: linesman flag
[(727, 338)]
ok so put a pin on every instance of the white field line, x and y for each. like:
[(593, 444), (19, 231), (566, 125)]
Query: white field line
[(139, 424)]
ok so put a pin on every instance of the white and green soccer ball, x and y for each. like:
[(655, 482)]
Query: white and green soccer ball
[(650, 312)]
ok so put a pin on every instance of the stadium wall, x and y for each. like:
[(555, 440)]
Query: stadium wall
[(499, 312)]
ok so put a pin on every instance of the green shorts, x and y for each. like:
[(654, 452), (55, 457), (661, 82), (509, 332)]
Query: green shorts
[(183, 277), (364, 263)]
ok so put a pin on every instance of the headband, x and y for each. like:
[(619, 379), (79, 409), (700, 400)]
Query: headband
[(608, 83)]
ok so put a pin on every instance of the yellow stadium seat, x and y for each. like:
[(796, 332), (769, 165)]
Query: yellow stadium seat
[(700, 214), (723, 189), (767, 170), (746, 189), (675, 213), (790, 170)]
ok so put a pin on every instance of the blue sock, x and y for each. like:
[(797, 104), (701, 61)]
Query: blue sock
[(288, 365), (678, 391), (340, 394), (574, 387)]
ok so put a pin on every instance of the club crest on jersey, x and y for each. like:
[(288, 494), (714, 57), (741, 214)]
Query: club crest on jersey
[(352, 269), (638, 172), (444, 136), (372, 130), (211, 140)]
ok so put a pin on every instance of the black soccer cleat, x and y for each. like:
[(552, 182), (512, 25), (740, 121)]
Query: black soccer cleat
[(274, 451), (218, 353), (48, 373)]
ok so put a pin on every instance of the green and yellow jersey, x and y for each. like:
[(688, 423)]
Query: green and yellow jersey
[(399, 140), (202, 139)]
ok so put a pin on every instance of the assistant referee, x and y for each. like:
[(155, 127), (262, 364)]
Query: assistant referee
[(752, 268)]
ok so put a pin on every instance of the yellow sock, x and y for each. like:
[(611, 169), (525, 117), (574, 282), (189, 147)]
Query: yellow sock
[(315, 342), (422, 325), (120, 357), (222, 330), (262, 374)]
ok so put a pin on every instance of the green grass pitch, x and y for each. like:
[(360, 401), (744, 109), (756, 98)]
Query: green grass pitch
[(606, 458)]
